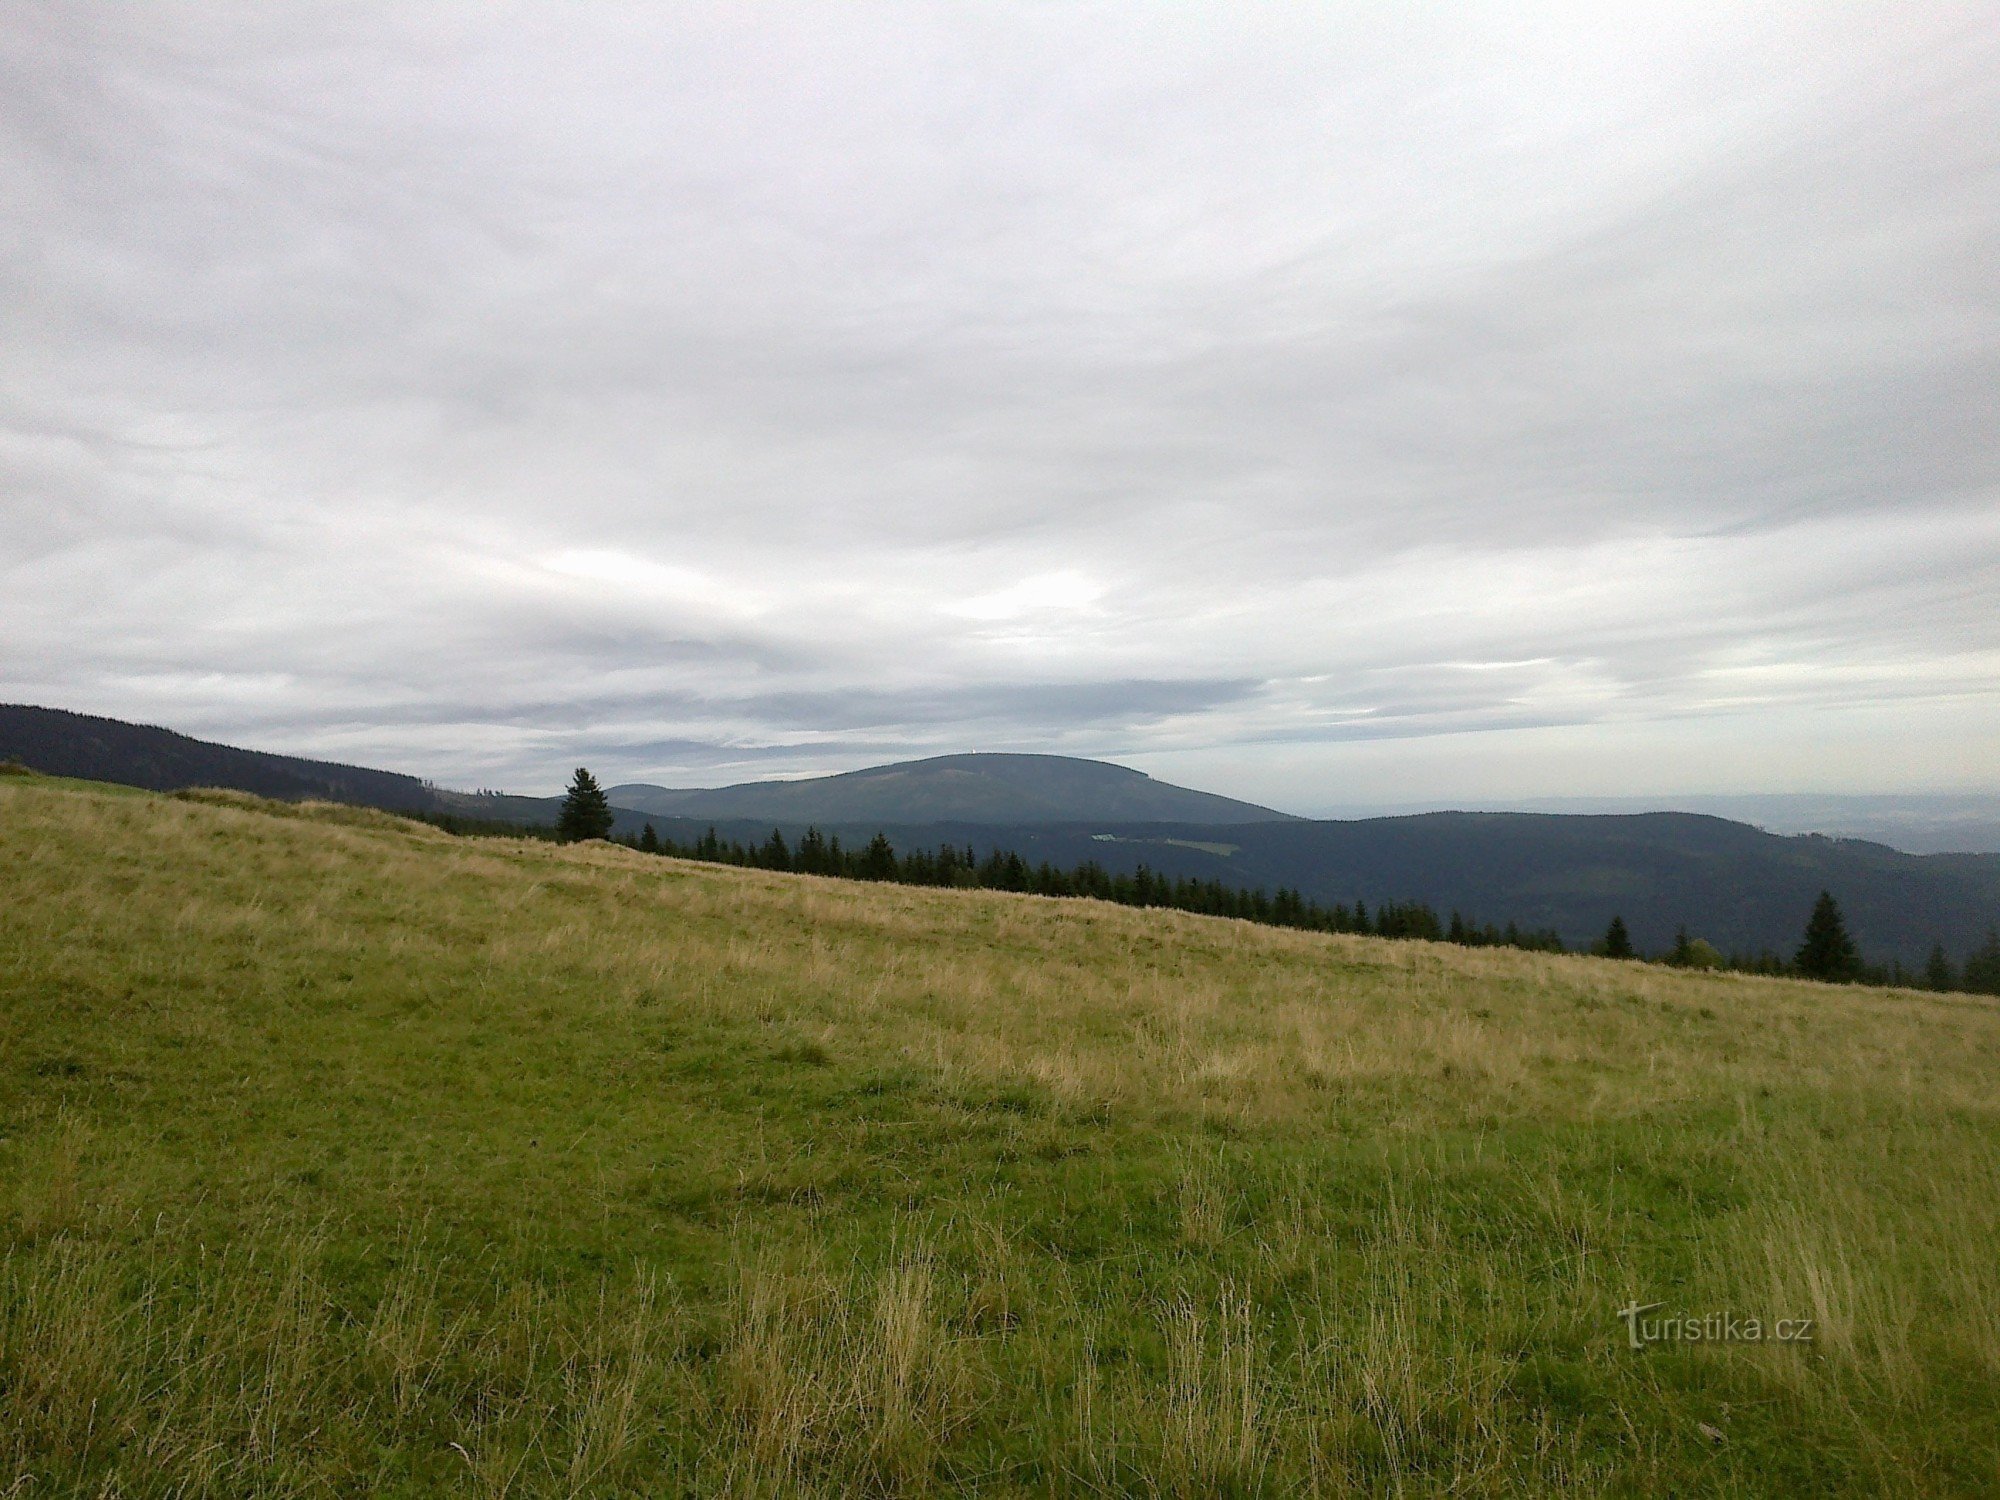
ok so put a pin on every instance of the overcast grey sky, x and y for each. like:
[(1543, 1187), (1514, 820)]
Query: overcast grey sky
[(1315, 403)]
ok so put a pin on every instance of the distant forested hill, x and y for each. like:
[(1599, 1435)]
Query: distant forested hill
[(1000, 789), (60, 743)]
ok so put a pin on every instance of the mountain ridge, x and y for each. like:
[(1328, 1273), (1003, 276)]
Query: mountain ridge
[(980, 787)]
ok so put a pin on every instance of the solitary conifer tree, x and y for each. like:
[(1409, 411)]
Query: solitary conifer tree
[(1617, 941), (586, 811), (1828, 952), (1937, 970), (649, 840), (1982, 965)]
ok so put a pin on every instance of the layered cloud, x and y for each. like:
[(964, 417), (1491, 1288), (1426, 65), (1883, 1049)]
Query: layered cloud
[(1301, 400)]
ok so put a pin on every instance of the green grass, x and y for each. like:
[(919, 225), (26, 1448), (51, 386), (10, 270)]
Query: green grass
[(338, 1156)]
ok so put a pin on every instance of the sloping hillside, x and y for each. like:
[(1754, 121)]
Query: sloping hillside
[(346, 1157), (57, 742), (994, 789), (61, 743), (1743, 889)]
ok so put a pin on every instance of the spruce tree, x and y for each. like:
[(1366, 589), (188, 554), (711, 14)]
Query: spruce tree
[(1982, 965), (878, 862), (810, 858), (775, 855), (1937, 970), (586, 811), (649, 840), (1827, 952), (1617, 941)]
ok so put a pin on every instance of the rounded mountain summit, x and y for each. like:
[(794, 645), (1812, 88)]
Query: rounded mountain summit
[(982, 788)]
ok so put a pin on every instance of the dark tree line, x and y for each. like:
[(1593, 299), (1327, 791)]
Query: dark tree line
[(1827, 952), (1003, 870)]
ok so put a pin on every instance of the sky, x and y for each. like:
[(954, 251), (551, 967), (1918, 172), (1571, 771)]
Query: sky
[(1322, 404)]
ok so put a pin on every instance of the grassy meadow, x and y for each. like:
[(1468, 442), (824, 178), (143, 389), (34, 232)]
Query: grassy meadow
[(342, 1157)]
